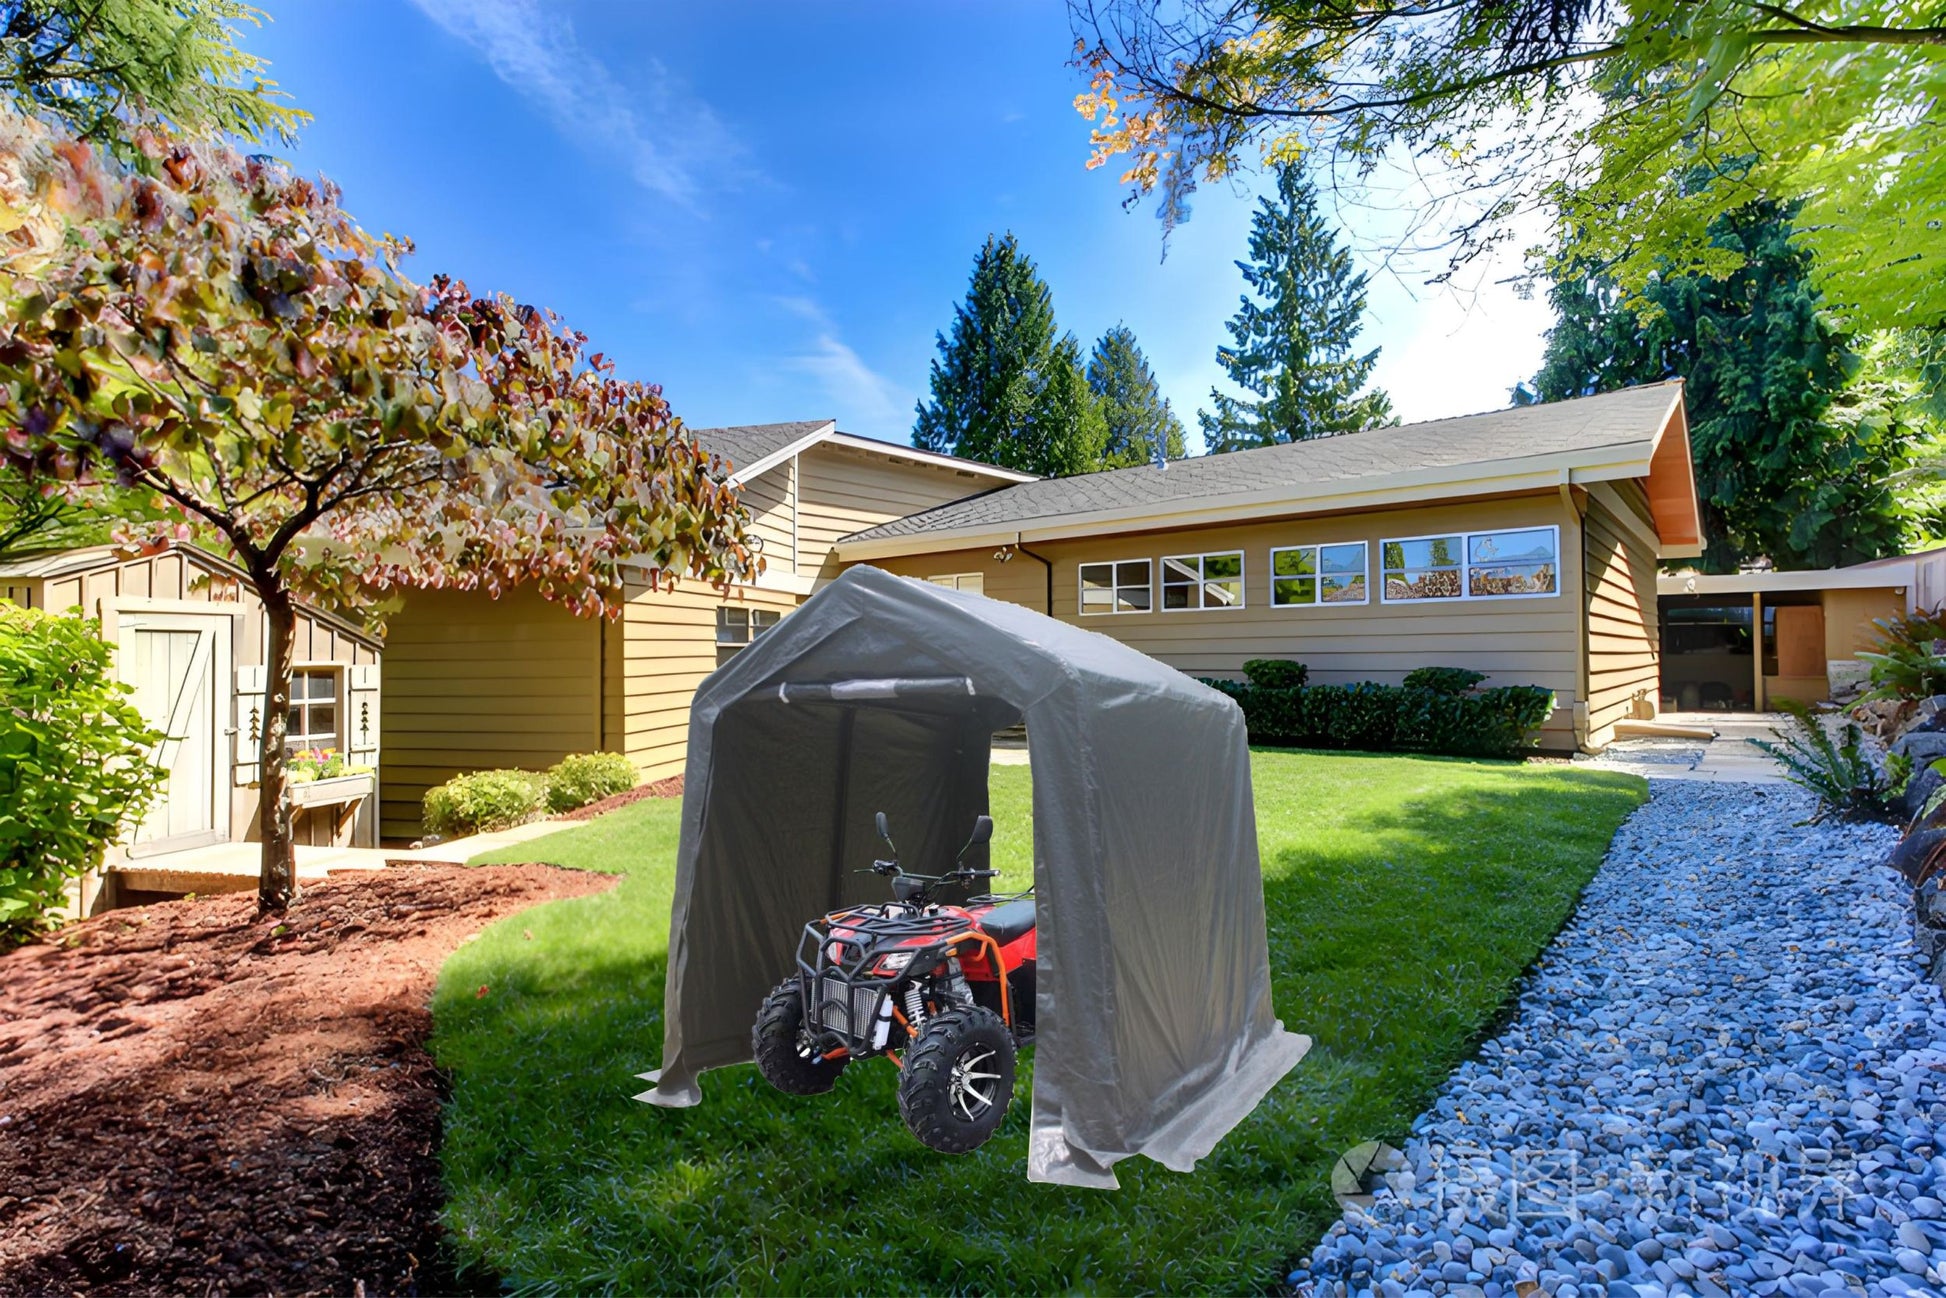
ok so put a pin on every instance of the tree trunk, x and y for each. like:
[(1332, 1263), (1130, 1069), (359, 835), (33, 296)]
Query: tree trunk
[(277, 876)]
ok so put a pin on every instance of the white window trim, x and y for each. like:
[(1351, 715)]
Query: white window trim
[(1320, 601), (1080, 588), (339, 703), (1466, 564), (952, 580), (1243, 582)]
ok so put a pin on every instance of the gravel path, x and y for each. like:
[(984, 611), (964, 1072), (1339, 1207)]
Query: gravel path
[(1727, 1077)]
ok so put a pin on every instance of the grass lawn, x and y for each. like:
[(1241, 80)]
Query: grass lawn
[(1405, 895)]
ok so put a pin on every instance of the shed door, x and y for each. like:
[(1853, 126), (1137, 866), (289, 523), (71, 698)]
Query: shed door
[(175, 662)]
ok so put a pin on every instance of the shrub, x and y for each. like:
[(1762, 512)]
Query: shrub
[(588, 777), (1381, 718), (1840, 772), (1908, 663), (75, 762), (1275, 673), (1443, 680), (484, 801)]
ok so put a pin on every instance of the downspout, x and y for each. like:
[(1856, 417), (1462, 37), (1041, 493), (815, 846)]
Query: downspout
[(1046, 563)]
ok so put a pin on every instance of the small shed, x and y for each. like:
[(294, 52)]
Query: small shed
[(1156, 1032), (189, 637)]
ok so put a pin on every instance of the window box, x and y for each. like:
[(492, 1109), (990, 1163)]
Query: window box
[(336, 791), (1202, 581), (1513, 563), (1124, 586), (1302, 575)]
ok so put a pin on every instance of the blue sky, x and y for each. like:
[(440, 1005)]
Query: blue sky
[(770, 209)]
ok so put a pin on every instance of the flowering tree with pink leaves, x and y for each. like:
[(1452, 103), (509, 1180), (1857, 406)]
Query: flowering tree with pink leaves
[(216, 331)]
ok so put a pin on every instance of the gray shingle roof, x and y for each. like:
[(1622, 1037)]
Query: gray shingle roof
[(745, 444), (1630, 415)]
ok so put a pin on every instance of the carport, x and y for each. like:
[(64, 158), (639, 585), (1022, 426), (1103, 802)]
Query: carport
[(1156, 1029)]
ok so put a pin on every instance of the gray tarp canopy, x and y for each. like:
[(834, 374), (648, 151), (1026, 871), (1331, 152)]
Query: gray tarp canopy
[(1155, 1031)]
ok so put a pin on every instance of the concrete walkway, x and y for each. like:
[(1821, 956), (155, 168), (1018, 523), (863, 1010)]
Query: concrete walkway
[(1728, 757), (232, 867)]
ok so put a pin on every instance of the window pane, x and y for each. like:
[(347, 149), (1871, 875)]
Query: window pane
[(1132, 574), (1343, 558), (1176, 595), (1533, 545), (762, 619), (1294, 590), (1098, 574), (974, 582), (1432, 552), (1223, 594), (1180, 570), (732, 625), (1343, 590), (1132, 599), (1421, 584), (942, 581), (1097, 600), (312, 685), (294, 723), (1222, 567), (1300, 561), (324, 721), (1512, 579)]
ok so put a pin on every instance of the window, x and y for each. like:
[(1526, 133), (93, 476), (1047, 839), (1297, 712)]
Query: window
[(1203, 580), (1318, 574), (737, 627), (1473, 565), (1120, 587), (313, 719), (972, 582)]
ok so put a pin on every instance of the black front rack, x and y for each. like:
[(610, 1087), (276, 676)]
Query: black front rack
[(834, 958)]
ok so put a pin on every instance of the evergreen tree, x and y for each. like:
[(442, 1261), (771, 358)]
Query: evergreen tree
[(1137, 415), (1005, 388), (1291, 341), (1780, 472)]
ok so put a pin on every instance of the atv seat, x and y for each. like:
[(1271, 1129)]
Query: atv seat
[(1008, 922)]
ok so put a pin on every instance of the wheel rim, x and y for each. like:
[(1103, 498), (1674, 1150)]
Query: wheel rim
[(973, 1089), (807, 1049)]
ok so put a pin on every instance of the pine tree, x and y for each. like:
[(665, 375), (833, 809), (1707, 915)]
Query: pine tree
[(1005, 388), (1780, 473), (1137, 415), (1291, 341)]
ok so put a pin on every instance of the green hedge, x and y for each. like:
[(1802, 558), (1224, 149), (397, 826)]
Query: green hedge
[(588, 777), (484, 801), (1374, 718)]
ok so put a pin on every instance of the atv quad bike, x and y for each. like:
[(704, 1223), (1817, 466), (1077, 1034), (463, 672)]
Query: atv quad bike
[(946, 992)]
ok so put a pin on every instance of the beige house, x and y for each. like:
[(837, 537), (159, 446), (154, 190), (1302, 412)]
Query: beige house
[(476, 682), (1522, 543), (190, 640)]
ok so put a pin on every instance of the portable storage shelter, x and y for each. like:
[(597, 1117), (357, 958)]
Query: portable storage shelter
[(1156, 1033)]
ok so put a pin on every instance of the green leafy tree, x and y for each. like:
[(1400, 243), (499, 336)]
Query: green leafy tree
[(76, 760), (1140, 424), (1005, 388), (1780, 471), (221, 335), (1292, 341), (1602, 114), (98, 67)]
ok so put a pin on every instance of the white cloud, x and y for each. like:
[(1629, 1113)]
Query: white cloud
[(864, 400), (672, 142)]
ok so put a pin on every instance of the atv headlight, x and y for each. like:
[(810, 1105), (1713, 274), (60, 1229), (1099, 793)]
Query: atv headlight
[(895, 962)]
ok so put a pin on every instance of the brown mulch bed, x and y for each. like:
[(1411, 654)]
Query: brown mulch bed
[(669, 788), (196, 1101)]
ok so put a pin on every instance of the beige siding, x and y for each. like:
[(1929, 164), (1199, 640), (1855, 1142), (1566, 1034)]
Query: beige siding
[(842, 490), (473, 683), (1514, 641), (668, 647), (771, 498), (1624, 642)]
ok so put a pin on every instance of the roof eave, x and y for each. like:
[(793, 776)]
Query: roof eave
[(1537, 473), (762, 465)]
